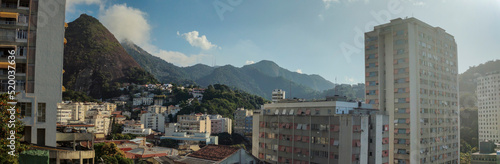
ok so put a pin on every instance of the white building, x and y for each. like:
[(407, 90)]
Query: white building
[(277, 95), (63, 114), (102, 123), (171, 128), (39, 92), (142, 101), (488, 103), (240, 116), (154, 121), (137, 129)]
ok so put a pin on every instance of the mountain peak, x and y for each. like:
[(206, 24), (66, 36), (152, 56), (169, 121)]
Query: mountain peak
[(93, 58)]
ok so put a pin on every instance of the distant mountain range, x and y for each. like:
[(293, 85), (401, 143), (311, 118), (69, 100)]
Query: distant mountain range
[(259, 78), (96, 63)]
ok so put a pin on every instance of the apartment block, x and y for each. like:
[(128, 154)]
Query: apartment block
[(157, 109), (194, 123), (34, 28), (101, 122), (240, 123), (488, 103), (318, 132), (154, 121), (137, 129), (411, 74), (220, 125), (79, 110), (277, 95)]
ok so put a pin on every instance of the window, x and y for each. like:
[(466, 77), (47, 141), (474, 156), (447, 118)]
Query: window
[(401, 61), (372, 83), (41, 112), (372, 92), (371, 56), (372, 74), (401, 90), (402, 131), (401, 100), (401, 70), (22, 34), (402, 110), (25, 109), (371, 65), (400, 32), (402, 80), (21, 51), (399, 42), (401, 51)]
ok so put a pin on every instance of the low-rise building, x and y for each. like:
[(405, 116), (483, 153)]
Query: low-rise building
[(220, 154), (194, 123), (154, 121), (240, 119), (157, 109), (137, 129), (220, 125), (277, 95), (488, 153)]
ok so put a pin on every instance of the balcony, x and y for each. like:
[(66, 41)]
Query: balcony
[(15, 4)]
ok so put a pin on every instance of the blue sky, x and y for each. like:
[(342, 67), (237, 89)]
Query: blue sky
[(312, 37)]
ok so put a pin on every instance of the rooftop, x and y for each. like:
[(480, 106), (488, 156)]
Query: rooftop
[(214, 152)]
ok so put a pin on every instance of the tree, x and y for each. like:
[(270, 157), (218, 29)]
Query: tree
[(110, 154), (11, 127)]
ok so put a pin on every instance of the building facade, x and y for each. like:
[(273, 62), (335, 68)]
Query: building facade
[(488, 105), (153, 121), (277, 95), (32, 28), (194, 123), (411, 74), (221, 125), (239, 119), (314, 132)]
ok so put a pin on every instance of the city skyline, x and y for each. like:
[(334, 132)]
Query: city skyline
[(311, 42)]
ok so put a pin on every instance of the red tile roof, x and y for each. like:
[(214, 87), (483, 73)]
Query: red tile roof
[(214, 152), (116, 113)]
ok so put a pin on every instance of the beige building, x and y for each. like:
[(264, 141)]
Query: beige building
[(488, 103), (320, 132), (239, 119), (277, 95), (194, 123), (157, 109), (101, 122), (79, 110), (30, 28), (411, 74)]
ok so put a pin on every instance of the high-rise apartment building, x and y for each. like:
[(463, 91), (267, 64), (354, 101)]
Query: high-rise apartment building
[(34, 29), (320, 132), (411, 74), (488, 105)]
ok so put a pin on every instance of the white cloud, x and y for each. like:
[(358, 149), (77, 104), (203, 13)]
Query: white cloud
[(419, 3), (350, 80), (128, 23), (198, 41), (248, 62), (299, 71), (70, 4), (179, 58), (329, 2), (320, 16)]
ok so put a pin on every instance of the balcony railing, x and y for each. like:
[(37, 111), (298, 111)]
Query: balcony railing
[(8, 22)]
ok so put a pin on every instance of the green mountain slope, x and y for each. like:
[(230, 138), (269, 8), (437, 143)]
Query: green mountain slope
[(95, 62)]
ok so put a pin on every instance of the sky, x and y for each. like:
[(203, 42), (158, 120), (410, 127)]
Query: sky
[(323, 37)]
